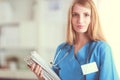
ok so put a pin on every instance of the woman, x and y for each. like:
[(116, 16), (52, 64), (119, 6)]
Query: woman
[(85, 55)]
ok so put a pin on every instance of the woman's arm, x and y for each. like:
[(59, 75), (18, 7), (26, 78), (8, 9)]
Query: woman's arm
[(107, 68)]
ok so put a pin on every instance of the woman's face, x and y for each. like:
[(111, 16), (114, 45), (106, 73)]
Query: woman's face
[(81, 18)]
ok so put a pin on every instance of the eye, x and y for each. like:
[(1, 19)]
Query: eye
[(75, 15), (86, 14)]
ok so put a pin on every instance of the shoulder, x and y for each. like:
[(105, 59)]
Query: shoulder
[(103, 47), (62, 47), (101, 44)]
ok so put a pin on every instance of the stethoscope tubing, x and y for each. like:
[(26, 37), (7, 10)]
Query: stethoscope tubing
[(89, 51), (67, 52)]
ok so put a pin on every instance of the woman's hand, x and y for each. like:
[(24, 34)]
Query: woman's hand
[(37, 70)]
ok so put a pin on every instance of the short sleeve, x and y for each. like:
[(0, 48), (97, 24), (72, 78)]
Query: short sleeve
[(107, 68)]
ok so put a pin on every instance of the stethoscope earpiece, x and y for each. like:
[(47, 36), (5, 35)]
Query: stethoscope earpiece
[(51, 62)]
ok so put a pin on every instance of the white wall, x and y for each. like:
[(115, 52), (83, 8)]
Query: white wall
[(110, 19), (51, 29)]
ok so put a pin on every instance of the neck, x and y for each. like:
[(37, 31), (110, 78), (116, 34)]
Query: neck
[(81, 40)]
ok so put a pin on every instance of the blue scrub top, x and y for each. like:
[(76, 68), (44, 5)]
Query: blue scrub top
[(69, 66)]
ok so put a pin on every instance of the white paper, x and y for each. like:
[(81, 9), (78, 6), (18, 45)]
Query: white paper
[(48, 73)]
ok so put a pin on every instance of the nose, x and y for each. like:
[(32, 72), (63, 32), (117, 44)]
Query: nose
[(80, 19)]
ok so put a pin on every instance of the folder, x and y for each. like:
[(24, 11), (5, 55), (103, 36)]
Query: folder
[(48, 73)]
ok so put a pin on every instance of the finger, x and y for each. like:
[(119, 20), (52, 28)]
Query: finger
[(40, 72), (31, 63), (37, 70), (33, 66)]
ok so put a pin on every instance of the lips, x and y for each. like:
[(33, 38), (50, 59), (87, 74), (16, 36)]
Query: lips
[(80, 26)]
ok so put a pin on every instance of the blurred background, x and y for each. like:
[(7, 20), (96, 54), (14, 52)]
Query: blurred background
[(40, 25)]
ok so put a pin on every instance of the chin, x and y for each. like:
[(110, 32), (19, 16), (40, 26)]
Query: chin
[(82, 31)]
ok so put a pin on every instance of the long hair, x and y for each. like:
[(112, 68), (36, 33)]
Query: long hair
[(94, 31)]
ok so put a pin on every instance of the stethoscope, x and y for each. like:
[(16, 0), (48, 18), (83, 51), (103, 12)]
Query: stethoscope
[(55, 65), (67, 52)]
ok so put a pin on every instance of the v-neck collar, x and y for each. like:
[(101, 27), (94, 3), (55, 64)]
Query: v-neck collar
[(78, 55), (84, 46)]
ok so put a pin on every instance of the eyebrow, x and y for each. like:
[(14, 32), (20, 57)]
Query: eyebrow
[(83, 12), (74, 12)]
